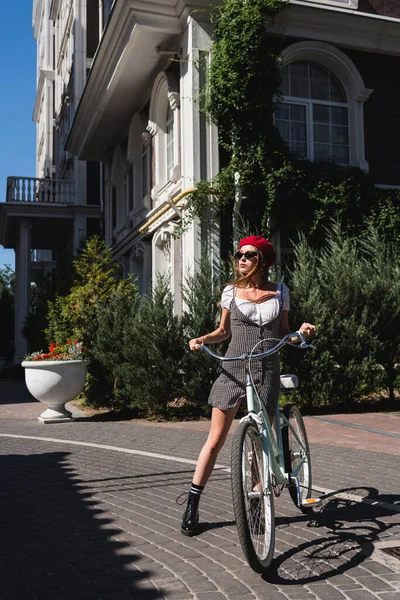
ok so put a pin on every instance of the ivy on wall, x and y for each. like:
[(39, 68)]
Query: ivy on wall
[(243, 86)]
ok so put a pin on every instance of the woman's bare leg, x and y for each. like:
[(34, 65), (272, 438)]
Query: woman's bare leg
[(221, 421)]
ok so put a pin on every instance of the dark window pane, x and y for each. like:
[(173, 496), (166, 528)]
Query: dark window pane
[(322, 152), (338, 115), (282, 111), (321, 113), (337, 93), (340, 154), (284, 129), (299, 132), (339, 135), (319, 82), (299, 81), (321, 134), (298, 113)]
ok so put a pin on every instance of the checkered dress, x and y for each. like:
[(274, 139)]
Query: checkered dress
[(229, 388)]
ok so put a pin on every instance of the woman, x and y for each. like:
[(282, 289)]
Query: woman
[(253, 309)]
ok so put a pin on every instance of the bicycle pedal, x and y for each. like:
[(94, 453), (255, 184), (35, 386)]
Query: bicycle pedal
[(311, 502)]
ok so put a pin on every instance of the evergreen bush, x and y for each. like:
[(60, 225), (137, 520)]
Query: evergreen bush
[(115, 321), (201, 293), (337, 289), (95, 281), (151, 376), (381, 265)]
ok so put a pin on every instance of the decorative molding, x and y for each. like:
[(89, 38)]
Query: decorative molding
[(349, 4), (339, 25), (137, 251), (45, 74), (146, 139), (165, 89), (174, 99)]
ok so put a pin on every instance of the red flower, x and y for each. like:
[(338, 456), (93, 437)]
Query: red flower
[(51, 348)]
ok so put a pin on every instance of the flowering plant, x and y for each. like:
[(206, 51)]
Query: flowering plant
[(69, 351)]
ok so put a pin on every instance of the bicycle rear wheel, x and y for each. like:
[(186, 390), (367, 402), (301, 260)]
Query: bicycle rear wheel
[(252, 496), (294, 451)]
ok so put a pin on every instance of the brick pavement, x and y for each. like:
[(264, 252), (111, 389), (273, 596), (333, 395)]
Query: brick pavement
[(79, 521)]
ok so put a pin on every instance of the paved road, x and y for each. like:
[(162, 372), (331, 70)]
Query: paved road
[(88, 511)]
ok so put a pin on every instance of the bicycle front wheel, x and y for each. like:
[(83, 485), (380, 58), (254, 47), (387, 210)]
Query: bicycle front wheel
[(296, 450), (252, 496)]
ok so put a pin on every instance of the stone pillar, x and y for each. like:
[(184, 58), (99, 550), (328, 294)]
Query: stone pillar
[(22, 282)]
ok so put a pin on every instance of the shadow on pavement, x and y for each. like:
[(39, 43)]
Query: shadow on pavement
[(203, 527), (347, 532), (56, 542)]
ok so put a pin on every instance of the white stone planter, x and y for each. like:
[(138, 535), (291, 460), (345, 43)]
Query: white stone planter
[(55, 382)]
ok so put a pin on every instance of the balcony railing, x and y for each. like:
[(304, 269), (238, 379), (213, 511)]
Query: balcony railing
[(32, 189)]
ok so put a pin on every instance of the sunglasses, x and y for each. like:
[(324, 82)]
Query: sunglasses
[(247, 255)]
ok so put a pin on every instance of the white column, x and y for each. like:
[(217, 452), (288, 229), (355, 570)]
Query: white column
[(22, 281), (199, 138)]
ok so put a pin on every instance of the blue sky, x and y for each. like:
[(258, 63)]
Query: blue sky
[(17, 98)]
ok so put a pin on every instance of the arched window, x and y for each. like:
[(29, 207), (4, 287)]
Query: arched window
[(321, 113), (138, 157), (163, 125), (313, 115)]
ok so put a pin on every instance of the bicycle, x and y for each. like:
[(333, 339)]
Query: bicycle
[(261, 466)]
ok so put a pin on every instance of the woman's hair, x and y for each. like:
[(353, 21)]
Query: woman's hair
[(241, 281)]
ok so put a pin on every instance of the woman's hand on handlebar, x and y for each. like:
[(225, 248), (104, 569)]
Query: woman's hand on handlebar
[(195, 342), (307, 329)]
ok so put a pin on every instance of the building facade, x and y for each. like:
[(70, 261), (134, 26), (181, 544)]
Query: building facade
[(51, 214), (119, 117), (139, 114)]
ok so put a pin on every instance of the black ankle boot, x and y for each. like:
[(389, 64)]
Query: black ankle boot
[(190, 519)]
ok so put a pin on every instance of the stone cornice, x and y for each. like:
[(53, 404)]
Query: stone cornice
[(340, 26), (37, 5), (44, 74)]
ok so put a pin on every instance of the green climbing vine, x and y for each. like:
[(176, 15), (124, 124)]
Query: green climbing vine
[(243, 77), (242, 89)]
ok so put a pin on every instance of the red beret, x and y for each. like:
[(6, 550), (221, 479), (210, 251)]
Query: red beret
[(263, 245)]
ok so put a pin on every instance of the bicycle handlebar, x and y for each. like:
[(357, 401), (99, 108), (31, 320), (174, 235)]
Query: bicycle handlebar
[(303, 345)]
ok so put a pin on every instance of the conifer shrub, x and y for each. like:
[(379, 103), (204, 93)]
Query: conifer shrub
[(115, 323), (95, 281), (201, 293), (151, 376), (336, 288)]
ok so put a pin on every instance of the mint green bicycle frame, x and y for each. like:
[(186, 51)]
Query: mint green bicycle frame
[(273, 449), (257, 413)]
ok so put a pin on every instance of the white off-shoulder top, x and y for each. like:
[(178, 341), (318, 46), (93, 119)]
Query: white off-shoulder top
[(258, 313)]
